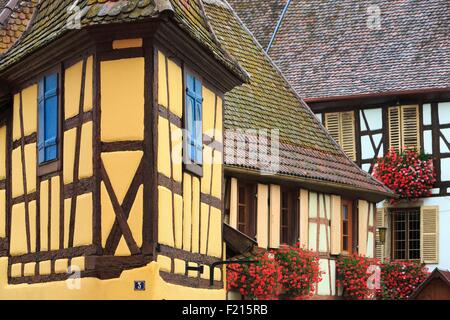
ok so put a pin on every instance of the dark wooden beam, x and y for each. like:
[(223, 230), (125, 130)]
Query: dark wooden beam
[(185, 281), (76, 165), (4, 247), (54, 254), (122, 146), (185, 255), (121, 216), (378, 101)]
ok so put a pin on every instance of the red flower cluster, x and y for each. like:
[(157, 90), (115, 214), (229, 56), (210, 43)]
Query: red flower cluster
[(400, 278), (392, 280), (409, 174), (256, 281), (300, 271), (353, 276), (288, 270)]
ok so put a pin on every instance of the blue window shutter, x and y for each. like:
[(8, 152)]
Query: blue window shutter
[(191, 127), (198, 121), (48, 119), (190, 84), (41, 110), (194, 102), (190, 116), (51, 117)]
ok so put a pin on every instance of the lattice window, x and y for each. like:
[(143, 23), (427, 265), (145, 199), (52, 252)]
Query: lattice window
[(289, 213), (406, 228), (246, 220), (347, 226)]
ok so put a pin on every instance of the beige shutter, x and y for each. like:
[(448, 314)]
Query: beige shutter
[(410, 126), (363, 210), (395, 128), (304, 218), (262, 232), (429, 234), (380, 223), (348, 134), (336, 224), (341, 126), (234, 203), (332, 124), (404, 127), (275, 208)]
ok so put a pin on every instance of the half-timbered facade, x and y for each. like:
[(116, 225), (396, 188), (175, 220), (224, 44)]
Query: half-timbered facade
[(115, 176), (97, 198), (377, 76)]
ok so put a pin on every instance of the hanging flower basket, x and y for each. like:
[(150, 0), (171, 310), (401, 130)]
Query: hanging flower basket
[(300, 271), (400, 279), (256, 281), (408, 173), (368, 278), (353, 276), (288, 273)]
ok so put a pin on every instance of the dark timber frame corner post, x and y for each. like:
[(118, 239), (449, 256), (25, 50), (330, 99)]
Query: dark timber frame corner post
[(150, 223), (97, 232), (6, 120)]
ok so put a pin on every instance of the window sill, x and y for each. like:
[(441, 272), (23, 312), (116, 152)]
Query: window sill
[(48, 168), (194, 169), (407, 260), (346, 253)]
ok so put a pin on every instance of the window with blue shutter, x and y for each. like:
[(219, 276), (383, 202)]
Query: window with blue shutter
[(48, 119), (194, 128)]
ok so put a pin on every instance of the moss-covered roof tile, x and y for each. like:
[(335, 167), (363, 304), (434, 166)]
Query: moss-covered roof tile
[(54, 16)]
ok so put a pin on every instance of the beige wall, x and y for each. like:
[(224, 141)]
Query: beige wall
[(320, 224)]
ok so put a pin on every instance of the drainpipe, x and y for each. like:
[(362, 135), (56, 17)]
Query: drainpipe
[(283, 13), (219, 263)]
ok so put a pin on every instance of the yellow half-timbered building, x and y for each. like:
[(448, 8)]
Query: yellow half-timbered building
[(112, 150)]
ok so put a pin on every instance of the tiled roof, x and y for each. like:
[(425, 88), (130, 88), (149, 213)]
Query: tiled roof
[(260, 17), (268, 102), (16, 23), (326, 49), (446, 274), (55, 17), (443, 275)]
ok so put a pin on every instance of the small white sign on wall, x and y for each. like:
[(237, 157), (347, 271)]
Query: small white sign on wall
[(374, 119), (443, 145), (427, 142), (426, 112), (445, 169), (444, 112)]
